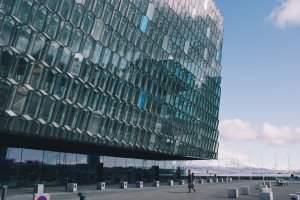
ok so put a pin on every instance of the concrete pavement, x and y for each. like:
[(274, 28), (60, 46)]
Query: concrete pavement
[(178, 192)]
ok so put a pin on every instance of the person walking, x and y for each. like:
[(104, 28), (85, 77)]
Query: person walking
[(190, 180)]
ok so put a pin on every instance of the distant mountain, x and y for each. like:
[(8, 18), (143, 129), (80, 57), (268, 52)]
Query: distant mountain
[(234, 170)]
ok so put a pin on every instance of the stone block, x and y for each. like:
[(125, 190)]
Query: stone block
[(266, 196), (232, 193), (72, 187), (244, 190)]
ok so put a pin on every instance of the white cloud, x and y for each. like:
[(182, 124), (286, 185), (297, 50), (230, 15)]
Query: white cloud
[(279, 135), (286, 14), (236, 129)]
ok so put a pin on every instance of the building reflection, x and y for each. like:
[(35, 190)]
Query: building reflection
[(26, 167)]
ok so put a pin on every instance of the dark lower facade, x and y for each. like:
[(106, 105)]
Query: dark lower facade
[(23, 167)]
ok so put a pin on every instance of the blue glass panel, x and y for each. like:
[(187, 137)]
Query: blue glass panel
[(142, 98), (144, 23)]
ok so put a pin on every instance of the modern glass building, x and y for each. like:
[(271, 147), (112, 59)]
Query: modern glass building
[(107, 90)]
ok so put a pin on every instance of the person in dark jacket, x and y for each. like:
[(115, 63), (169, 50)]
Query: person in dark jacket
[(190, 180)]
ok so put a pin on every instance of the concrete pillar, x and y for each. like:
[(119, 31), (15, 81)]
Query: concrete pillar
[(139, 184), (100, 186)]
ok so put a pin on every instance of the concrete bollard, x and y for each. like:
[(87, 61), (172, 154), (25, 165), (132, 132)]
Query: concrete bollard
[(4, 192), (123, 184), (230, 179), (257, 186), (82, 196), (72, 187), (139, 184), (266, 196), (201, 181), (38, 188), (100, 186), (209, 180), (293, 197), (264, 188), (170, 183), (232, 193), (41, 196), (269, 184), (215, 180), (155, 184), (181, 182), (245, 190)]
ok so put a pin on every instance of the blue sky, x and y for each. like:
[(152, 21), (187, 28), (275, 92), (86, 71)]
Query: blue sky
[(260, 101)]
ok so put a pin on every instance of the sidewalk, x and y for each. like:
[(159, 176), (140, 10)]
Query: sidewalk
[(177, 192)]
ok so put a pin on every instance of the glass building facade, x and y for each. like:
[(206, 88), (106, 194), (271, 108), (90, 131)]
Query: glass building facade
[(95, 83)]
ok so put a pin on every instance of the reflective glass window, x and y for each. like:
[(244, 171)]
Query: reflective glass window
[(52, 25), (24, 10), (98, 8), (38, 46), (6, 5), (36, 75), (106, 34), (87, 48), (116, 20), (112, 67), (46, 109), (30, 166), (33, 103), (66, 30), (4, 93), (76, 39), (123, 26), (77, 14), (23, 38), (113, 45), (59, 112), (87, 22), (52, 4), (108, 13), (84, 95), (74, 90), (124, 7), (82, 123), (7, 30), (72, 116), (61, 85), (97, 52), (94, 123), (21, 67), (76, 64), (105, 58), (65, 59), (48, 80), (65, 8), (97, 27), (52, 53), (6, 62), (19, 100)]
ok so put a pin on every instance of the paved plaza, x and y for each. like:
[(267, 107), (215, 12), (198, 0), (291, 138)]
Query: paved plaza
[(176, 192)]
